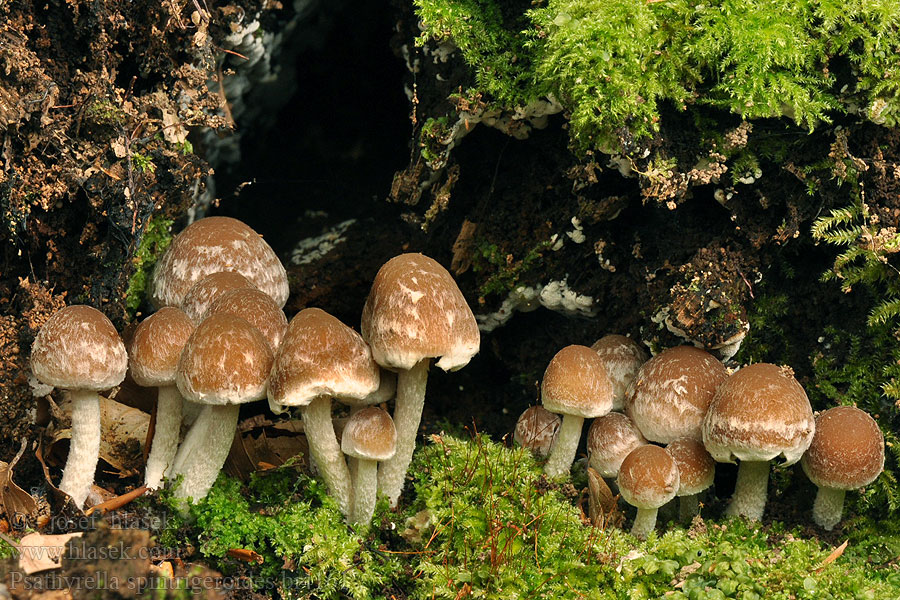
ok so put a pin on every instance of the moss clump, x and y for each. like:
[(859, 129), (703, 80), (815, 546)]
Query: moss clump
[(157, 237), (503, 271)]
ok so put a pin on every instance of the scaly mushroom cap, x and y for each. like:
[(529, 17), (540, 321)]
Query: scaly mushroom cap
[(78, 348), (369, 435), (156, 346), (203, 293), (211, 245), (575, 383), (610, 439), (536, 429), (225, 361), (622, 358), (672, 391), (847, 450), (416, 311), (320, 356), (648, 477), (760, 412), (696, 467), (255, 307)]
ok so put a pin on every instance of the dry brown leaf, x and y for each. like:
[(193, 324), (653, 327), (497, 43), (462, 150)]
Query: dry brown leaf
[(601, 500), (16, 503), (835, 554), (38, 552)]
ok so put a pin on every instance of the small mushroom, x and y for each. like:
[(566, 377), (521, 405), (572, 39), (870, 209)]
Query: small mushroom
[(610, 439), (415, 312), (648, 478), (697, 470), (622, 358), (203, 293), (155, 350), (536, 430), (256, 308), (575, 385), (672, 391), (369, 437), (79, 350), (759, 413), (847, 453)]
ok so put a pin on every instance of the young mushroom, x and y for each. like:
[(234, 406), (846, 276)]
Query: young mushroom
[(203, 293), (575, 385), (648, 478), (224, 364), (415, 312), (847, 453), (256, 308), (696, 469), (622, 358), (536, 430), (79, 350), (610, 439), (672, 391), (369, 437), (155, 350), (759, 413), (320, 358)]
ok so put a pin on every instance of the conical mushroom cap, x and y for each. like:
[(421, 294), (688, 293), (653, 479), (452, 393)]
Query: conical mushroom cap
[(203, 293), (760, 412), (622, 358), (416, 311), (610, 439), (211, 245), (156, 346), (78, 348), (696, 468), (320, 356), (257, 308), (847, 451), (575, 383), (648, 477), (370, 435)]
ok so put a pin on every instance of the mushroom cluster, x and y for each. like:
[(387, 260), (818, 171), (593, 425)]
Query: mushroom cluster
[(220, 339), (681, 413)]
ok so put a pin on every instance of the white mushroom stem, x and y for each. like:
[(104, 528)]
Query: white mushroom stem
[(688, 507), (828, 507), (189, 412), (562, 455), (749, 498), (644, 522), (407, 415), (204, 450), (84, 447), (165, 435), (364, 491), (326, 451)]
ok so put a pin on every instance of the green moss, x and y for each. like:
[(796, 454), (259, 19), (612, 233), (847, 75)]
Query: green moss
[(503, 271), (433, 139), (156, 238), (104, 112), (143, 163)]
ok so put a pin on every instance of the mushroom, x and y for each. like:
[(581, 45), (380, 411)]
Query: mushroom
[(211, 245), (536, 430), (672, 391), (155, 350), (203, 293), (610, 439), (759, 413), (320, 358), (256, 308), (369, 437), (648, 478), (574, 385), (697, 470), (622, 358), (79, 350), (415, 312), (224, 364), (847, 453)]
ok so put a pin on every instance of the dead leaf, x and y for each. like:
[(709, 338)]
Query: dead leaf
[(463, 248), (601, 500), (248, 556), (38, 552), (835, 554), (16, 503)]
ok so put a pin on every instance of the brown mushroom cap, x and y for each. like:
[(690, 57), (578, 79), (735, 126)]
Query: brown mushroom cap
[(225, 361), (575, 383), (622, 358), (672, 392), (156, 346), (696, 467), (369, 435), (847, 450), (760, 412), (257, 308), (416, 311), (648, 477), (536, 429), (203, 293), (320, 356), (78, 348), (610, 439), (211, 245)]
